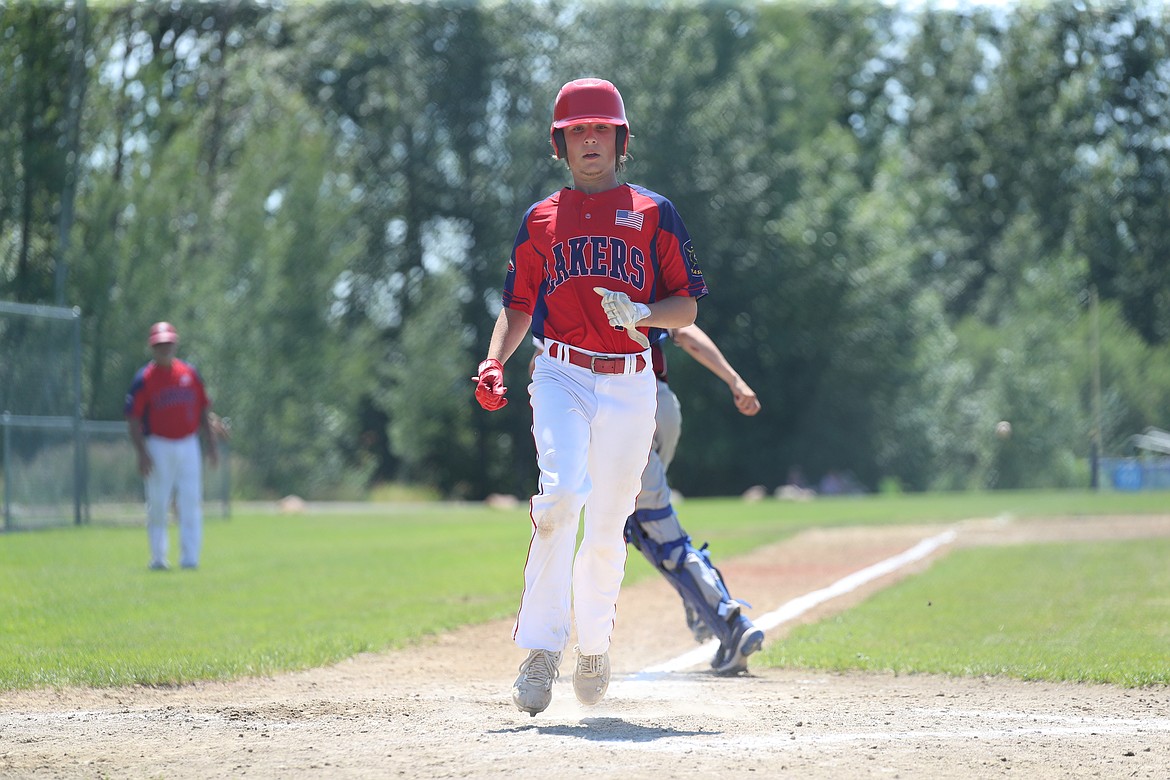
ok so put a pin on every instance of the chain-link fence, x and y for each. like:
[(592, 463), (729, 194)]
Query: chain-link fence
[(58, 467)]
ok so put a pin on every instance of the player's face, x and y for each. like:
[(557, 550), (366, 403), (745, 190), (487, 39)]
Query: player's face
[(164, 353), (592, 154)]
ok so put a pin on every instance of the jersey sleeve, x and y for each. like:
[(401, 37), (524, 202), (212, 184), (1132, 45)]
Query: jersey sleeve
[(202, 399), (679, 272), (525, 270), (135, 405)]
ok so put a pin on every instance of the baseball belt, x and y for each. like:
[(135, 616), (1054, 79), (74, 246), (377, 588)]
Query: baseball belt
[(598, 364)]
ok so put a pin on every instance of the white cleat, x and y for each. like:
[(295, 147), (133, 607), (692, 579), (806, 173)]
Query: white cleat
[(532, 690), (590, 677)]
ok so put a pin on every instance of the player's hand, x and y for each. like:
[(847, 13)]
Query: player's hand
[(745, 398), (489, 385), (221, 427), (622, 312)]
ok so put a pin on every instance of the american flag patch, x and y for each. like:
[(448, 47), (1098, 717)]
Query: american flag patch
[(630, 219)]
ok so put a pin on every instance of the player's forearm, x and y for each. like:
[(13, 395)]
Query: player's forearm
[(677, 311), (209, 438), (696, 343), (511, 328), (134, 428)]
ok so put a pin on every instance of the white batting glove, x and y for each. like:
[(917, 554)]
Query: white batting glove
[(622, 312)]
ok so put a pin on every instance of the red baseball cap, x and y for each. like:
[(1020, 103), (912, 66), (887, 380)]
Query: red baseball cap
[(163, 333)]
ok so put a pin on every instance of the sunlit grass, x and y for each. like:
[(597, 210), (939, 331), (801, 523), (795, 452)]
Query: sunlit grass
[(1077, 612), (281, 592), (79, 606)]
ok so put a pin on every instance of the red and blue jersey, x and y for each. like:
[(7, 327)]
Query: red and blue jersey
[(626, 239), (658, 361), (170, 401)]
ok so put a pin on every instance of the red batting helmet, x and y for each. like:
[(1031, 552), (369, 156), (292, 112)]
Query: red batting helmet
[(589, 100), (163, 333)]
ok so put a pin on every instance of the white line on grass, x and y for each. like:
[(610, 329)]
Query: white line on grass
[(801, 604)]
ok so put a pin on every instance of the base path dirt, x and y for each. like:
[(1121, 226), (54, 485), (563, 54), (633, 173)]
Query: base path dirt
[(442, 709)]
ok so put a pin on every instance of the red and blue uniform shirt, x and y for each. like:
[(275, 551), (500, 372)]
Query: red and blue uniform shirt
[(658, 361), (170, 402), (626, 239)]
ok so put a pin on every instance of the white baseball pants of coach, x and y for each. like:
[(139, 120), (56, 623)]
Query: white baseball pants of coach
[(178, 471), (593, 434)]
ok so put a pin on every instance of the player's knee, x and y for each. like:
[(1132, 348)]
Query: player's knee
[(560, 514), (604, 550)]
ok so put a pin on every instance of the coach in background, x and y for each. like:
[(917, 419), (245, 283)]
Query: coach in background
[(166, 410)]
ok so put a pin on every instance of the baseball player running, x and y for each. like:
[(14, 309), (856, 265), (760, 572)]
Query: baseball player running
[(654, 527), (598, 264), (166, 409)]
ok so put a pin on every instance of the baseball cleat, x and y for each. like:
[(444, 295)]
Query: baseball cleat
[(590, 677), (532, 690), (731, 658)]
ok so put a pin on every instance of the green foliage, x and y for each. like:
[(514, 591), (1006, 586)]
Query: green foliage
[(41, 87), (900, 214), (1135, 378), (425, 383), (292, 372), (1023, 347)]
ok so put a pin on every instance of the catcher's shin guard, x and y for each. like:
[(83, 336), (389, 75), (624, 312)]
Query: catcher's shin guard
[(657, 534)]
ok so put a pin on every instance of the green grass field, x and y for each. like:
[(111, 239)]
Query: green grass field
[(281, 592), (1058, 612)]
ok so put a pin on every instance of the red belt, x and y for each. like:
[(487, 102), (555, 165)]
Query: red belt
[(598, 364)]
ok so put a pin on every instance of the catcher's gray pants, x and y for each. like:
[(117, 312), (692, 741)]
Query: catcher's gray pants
[(654, 529)]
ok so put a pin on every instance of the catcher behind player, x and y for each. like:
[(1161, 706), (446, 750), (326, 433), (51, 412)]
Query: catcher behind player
[(654, 528)]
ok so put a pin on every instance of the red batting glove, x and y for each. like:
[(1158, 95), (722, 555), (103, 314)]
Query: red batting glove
[(489, 385)]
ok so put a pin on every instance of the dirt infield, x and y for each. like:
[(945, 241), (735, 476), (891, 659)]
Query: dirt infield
[(443, 709)]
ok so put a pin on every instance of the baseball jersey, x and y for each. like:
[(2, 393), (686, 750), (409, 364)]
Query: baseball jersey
[(169, 401), (658, 361), (626, 239)]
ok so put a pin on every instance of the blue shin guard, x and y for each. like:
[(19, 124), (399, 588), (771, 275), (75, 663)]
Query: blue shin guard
[(657, 534)]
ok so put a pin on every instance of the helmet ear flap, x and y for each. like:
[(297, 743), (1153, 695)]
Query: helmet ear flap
[(623, 139)]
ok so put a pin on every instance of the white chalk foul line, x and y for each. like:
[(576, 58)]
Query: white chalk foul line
[(722, 743), (801, 604)]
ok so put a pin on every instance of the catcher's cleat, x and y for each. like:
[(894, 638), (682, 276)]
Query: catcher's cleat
[(590, 677), (532, 690), (746, 638)]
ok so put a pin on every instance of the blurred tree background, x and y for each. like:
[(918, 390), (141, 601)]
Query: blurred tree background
[(901, 212)]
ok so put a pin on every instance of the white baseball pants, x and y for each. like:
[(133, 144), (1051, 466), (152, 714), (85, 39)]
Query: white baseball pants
[(177, 472), (593, 434)]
